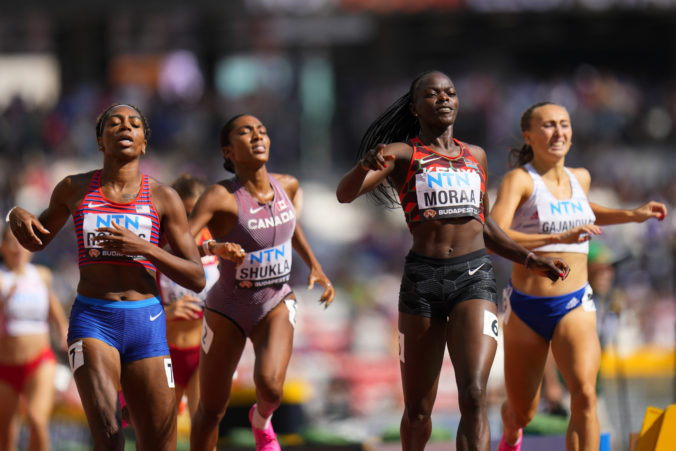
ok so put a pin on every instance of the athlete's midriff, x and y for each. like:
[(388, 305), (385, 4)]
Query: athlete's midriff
[(526, 281), (103, 281), (23, 348), (447, 238)]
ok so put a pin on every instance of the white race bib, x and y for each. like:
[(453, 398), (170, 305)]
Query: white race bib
[(446, 194), (265, 267)]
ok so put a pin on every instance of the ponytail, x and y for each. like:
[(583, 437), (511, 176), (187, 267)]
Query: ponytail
[(395, 124)]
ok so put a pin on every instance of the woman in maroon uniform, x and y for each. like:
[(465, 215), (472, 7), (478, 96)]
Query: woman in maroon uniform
[(116, 334), (252, 298), (448, 295)]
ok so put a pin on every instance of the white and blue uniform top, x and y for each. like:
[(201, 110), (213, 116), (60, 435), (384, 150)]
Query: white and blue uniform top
[(26, 310), (543, 213)]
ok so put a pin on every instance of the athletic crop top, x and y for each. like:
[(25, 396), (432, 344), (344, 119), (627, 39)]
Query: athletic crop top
[(96, 211), (26, 311), (264, 231), (170, 291), (442, 187), (543, 213)]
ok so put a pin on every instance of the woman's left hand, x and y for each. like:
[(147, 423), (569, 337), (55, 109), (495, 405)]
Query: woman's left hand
[(317, 275), (553, 268), (650, 210)]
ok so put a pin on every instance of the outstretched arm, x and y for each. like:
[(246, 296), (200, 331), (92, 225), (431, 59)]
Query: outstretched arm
[(36, 233), (607, 216), (377, 165)]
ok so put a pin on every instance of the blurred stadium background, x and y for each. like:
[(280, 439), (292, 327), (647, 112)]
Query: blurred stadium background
[(317, 72)]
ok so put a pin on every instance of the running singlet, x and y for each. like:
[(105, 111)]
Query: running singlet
[(170, 291), (264, 231), (543, 213), (441, 187), (26, 311), (96, 211)]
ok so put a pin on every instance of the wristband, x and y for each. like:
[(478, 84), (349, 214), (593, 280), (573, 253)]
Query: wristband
[(9, 213), (528, 259), (205, 247)]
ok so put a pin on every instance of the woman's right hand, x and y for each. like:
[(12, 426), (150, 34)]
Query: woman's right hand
[(374, 160), (552, 268), (24, 226), (185, 307), (229, 251), (578, 234)]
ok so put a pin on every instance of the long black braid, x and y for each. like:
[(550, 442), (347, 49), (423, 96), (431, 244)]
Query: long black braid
[(395, 124)]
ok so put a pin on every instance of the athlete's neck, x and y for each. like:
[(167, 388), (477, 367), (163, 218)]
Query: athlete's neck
[(121, 178), (441, 140), (555, 171), (257, 183)]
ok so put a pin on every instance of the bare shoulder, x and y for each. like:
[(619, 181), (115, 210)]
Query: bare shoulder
[(476, 151), (161, 191), (582, 175), (72, 188), (164, 197), (288, 182), (517, 180), (219, 197)]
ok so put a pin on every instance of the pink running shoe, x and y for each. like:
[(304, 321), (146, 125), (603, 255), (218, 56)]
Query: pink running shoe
[(266, 439), (515, 447)]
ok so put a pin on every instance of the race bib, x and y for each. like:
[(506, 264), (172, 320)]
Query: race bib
[(265, 267), (139, 224), (448, 194)]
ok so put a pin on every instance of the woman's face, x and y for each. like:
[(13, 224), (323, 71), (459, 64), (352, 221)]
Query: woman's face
[(14, 255), (123, 132), (550, 132), (248, 142), (435, 100)]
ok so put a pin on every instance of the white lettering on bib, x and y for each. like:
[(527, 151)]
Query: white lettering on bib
[(139, 224), (265, 267), (448, 194)]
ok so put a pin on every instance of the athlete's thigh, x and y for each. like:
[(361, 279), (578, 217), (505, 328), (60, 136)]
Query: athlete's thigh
[(148, 388), (272, 339), (9, 406), (39, 390), (576, 348), (525, 357), (421, 352), (96, 371), (222, 346), (472, 340)]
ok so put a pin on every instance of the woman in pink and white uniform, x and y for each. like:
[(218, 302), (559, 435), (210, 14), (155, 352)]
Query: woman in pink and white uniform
[(184, 308), (27, 363), (252, 298)]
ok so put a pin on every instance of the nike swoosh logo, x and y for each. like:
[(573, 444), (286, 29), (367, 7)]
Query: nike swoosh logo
[(153, 318), (472, 271), (429, 158), (93, 205), (253, 211)]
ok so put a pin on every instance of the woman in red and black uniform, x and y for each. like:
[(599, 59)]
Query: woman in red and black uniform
[(116, 334), (448, 295)]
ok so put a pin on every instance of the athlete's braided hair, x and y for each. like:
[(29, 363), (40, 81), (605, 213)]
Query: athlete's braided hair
[(523, 155), (225, 140), (395, 124), (103, 117)]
